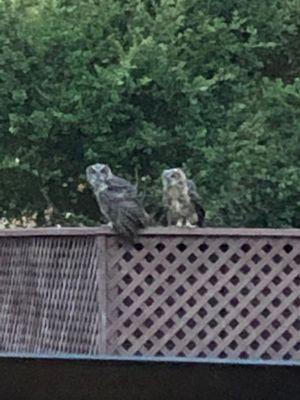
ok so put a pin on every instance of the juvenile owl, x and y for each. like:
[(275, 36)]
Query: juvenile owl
[(118, 201), (181, 199)]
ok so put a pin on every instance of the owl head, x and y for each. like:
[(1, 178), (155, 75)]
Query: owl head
[(173, 177), (97, 175)]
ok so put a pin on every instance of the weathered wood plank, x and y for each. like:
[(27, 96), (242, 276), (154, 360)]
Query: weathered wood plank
[(102, 293), (164, 231)]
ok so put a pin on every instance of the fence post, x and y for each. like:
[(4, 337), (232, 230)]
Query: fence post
[(102, 292)]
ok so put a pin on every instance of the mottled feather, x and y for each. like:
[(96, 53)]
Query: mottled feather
[(181, 199), (118, 201), (195, 199)]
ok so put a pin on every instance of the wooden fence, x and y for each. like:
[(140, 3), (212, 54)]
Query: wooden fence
[(226, 293)]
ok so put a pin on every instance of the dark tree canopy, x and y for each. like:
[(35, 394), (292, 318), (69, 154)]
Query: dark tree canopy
[(210, 86)]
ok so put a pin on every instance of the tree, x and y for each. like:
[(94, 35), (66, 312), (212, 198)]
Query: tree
[(145, 85)]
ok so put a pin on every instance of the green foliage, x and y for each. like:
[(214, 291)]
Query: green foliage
[(147, 84)]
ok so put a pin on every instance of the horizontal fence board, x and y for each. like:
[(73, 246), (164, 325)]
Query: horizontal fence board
[(164, 231)]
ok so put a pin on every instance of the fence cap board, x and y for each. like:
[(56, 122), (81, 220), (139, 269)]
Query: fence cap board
[(153, 231)]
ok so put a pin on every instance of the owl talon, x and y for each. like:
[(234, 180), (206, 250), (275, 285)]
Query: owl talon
[(108, 225), (179, 224), (189, 225)]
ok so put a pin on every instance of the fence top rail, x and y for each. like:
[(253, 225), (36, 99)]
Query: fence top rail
[(154, 231)]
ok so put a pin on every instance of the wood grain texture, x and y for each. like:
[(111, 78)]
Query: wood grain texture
[(164, 231)]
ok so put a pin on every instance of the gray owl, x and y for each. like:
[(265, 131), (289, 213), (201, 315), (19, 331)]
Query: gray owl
[(181, 199), (118, 201)]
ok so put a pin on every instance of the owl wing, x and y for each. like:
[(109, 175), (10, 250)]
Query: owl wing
[(124, 207), (195, 199), (122, 188)]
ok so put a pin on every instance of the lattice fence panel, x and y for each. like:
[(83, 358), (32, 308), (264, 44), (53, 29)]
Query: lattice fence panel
[(228, 297), (49, 295)]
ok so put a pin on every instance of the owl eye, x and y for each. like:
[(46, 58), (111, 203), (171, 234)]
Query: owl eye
[(103, 170)]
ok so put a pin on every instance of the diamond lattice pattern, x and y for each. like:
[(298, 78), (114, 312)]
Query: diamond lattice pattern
[(227, 297)]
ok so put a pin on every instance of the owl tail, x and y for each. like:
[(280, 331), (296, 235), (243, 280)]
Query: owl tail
[(130, 223)]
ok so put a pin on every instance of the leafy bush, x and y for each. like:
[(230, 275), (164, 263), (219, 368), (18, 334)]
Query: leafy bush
[(144, 85)]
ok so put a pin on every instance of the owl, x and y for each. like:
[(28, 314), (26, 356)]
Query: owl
[(118, 201), (181, 199)]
